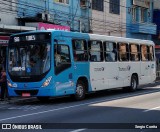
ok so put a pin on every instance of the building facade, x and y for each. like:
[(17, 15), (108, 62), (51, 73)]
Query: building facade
[(126, 18), (71, 13), (108, 17), (26, 15), (156, 38), (156, 20), (140, 19), (8, 25)]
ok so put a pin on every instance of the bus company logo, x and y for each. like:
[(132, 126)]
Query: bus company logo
[(128, 68), (99, 69), (152, 66), (18, 69)]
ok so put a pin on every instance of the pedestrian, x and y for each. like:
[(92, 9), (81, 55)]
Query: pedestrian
[(3, 84)]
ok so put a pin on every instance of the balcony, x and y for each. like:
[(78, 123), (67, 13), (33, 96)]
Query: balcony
[(145, 28)]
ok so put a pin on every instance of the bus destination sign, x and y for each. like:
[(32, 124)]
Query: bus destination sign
[(31, 37), (27, 38)]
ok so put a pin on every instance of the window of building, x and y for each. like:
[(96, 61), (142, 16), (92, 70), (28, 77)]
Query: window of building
[(83, 3), (123, 52), (144, 14), (110, 51), (134, 52), (62, 1), (80, 52), (95, 51), (144, 53), (98, 5), (114, 6), (151, 53), (134, 12)]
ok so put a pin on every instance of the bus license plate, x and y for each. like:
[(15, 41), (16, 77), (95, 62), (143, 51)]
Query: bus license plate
[(26, 94)]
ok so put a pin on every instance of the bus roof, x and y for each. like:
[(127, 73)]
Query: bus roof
[(92, 36), (120, 39)]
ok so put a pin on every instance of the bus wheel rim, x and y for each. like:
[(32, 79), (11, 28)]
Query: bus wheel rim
[(79, 91), (134, 83)]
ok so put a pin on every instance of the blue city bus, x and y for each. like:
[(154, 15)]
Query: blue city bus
[(54, 63)]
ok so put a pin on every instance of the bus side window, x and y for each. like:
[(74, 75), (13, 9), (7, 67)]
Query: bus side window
[(79, 50), (151, 53), (134, 52), (95, 50), (110, 51), (123, 52), (62, 58), (144, 52)]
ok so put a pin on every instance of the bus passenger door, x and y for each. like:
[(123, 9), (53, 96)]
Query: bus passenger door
[(63, 67)]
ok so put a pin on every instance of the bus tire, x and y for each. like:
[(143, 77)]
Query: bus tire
[(43, 99), (80, 91), (134, 83)]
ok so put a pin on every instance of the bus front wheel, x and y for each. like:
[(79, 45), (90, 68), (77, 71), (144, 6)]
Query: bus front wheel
[(80, 91)]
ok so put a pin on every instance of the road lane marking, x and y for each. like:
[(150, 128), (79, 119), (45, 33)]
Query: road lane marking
[(152, 109), (73, 106), (78, 130)]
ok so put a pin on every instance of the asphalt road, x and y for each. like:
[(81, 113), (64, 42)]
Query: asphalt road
[(113, 110)]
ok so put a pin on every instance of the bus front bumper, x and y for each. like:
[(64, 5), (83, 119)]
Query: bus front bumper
[(31, 92)]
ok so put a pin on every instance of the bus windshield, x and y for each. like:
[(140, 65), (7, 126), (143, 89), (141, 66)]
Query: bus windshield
[(31, 59)]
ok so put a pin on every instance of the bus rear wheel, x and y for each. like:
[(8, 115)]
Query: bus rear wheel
[(80, 91), (134, 83), (43, 99)]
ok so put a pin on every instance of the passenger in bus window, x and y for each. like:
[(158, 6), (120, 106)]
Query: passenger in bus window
[(57, 58), (85, 56), (115, 53), (93, 58), (110, 57), (36, 61), (132, 57), (12, 61)]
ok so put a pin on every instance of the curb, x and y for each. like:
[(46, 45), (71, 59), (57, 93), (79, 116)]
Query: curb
[(15, 99)]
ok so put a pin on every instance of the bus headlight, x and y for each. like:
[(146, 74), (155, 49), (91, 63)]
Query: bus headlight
[(9, 83), (14, 85), (46, 82)]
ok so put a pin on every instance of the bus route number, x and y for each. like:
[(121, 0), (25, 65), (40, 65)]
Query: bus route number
[(30, 38), (16, 39)]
